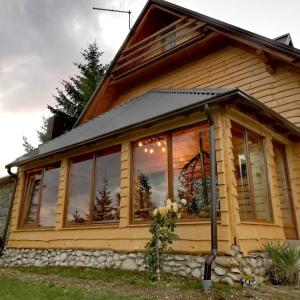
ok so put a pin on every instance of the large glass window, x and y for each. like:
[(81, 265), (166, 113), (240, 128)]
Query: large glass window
[(41, 189), (94, 188), (250, 172), (173, 165)]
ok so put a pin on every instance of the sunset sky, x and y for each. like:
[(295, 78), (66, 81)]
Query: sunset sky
[(40, 40)]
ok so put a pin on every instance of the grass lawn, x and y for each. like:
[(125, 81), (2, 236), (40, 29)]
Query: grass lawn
[(83, 283)]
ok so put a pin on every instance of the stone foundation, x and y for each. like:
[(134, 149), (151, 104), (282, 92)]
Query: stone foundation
[(228, 269)]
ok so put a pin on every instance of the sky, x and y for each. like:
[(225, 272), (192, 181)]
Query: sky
[(40, 41)]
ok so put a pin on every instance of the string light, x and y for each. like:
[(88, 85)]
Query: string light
[(158, 144), (163, 149), (146, 150), (151, 151), (140, 144)]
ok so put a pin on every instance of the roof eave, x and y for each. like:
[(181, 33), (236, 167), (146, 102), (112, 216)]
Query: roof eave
[(214, 100)]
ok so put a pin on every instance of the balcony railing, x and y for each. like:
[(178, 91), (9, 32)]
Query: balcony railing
[(158, 44)]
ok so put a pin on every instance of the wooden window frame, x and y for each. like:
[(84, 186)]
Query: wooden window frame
[(249, 174), (282, 149), (168, 134), (26, 198), (93, 156)]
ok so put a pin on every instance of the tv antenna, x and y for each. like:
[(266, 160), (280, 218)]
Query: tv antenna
[(116, 10)]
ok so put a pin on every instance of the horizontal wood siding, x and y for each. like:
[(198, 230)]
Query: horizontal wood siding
[(233, 67), (194, 237)]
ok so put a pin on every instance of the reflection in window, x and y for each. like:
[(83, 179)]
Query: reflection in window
[(250, 172), (41, 197), (150, 163), (174, 165), (49, 196), (94, 188), (106, 205), (191, 170), (79, 190)]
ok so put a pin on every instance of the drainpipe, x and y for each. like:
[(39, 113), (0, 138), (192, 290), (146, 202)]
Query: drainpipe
[(213, 202), (3, 239)]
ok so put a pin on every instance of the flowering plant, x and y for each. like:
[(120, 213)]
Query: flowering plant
[(162, 230)]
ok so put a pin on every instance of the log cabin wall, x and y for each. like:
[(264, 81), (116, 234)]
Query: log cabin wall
[(126, 236), (232, 67)]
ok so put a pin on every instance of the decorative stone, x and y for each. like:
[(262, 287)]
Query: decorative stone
[(129, 264), (226, 261), (220, 271), (196, 273), (63, 257), (194, 265), (234, 277), (247, 271), (235, 270), (227, 280)]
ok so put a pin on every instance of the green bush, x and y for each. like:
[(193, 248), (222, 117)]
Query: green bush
[(285, 266)]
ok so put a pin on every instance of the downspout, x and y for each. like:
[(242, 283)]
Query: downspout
[(213, 200), (3, 239)]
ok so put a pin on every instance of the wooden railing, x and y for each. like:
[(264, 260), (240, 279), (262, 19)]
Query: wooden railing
[(157, 44)]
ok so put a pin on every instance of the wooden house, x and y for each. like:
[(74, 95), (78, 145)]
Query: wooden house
[(143, 138)]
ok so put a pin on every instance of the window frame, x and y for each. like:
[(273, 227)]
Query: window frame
[(170, 182), (27, 192), (90, 155), (245, 131)]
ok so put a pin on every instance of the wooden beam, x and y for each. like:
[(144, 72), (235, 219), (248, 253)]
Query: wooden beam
[(267, 59)]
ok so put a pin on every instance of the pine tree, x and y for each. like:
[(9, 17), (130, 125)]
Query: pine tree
[(27, 146), (75, 92)]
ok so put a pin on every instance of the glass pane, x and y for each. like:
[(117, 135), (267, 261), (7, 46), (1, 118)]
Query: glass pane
[(240, 164), (33, 198), (191, 170), (282, 183), (107, 187), (259, 178), (79, 191), (150, 186), (49, 197)]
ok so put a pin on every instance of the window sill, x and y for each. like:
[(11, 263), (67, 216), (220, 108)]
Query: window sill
[(179, 223), (35, 229), (95, 226), (259, 223)]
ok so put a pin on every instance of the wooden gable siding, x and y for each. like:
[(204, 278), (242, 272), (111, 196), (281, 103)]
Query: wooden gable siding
[(194, 236), (232, 67)]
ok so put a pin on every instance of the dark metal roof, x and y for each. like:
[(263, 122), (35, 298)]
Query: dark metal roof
[(285, 39), (146, 109)]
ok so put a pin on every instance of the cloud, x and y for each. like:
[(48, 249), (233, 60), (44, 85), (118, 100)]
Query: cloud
[(41, 40)]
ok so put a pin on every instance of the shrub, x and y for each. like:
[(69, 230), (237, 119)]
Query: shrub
[(162, 231), (285, 266)]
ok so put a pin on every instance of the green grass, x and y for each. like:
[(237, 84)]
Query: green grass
[(12, 289), (134, 278), (134, 284)]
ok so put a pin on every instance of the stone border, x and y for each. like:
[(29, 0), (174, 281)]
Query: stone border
[(227, 269)]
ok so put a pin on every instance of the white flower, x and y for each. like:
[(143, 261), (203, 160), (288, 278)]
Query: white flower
[(175, 207), (183, 201), (163, 211), (155, 212)]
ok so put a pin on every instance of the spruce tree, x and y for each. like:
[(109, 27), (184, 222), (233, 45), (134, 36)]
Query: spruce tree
[(75, 92)]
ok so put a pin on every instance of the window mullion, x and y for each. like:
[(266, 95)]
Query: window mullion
[(40, 196), (92, 188), (170, 166), (250, 182)]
